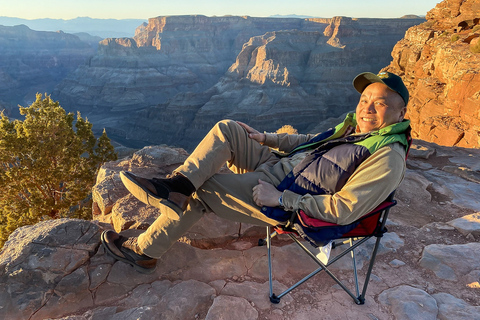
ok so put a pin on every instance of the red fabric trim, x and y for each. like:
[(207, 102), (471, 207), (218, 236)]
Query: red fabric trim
[(368, 223), (313, 222)]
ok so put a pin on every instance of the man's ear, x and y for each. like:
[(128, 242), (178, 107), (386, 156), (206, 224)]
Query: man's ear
[(403, 111)]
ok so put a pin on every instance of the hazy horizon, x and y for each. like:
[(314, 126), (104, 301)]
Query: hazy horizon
[(144, 9)]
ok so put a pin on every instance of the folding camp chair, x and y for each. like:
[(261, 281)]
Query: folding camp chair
[(370, 225)]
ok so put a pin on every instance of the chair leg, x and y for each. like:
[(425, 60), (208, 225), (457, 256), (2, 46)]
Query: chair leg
[(355, 275), (273, 297), (370, 267)]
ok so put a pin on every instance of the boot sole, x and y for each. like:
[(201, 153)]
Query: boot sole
[(117, 257), (168, 208)]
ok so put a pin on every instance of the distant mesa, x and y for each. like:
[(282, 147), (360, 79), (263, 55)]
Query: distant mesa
[(296, 16), (411, 16), (104, 28)]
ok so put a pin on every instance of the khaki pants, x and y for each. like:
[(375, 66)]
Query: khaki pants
[(227, 195)]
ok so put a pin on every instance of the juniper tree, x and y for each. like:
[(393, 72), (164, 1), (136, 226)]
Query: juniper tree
[(48, 164)]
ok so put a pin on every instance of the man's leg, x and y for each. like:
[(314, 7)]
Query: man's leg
[(230, 196), (220, 194), (227, 142), (165, 231)]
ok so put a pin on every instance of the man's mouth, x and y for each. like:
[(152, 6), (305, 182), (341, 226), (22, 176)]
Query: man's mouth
[(368, 119)]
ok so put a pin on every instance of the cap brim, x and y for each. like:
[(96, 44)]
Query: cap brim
[(364, 79)]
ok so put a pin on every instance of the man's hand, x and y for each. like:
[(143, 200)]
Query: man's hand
[(252, 133), (265, 194)]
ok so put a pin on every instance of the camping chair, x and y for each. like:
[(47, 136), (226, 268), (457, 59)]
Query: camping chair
[(370, 225)]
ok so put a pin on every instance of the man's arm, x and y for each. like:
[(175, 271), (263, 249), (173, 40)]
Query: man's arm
[(369, 186), (286, 142), (283, 142)]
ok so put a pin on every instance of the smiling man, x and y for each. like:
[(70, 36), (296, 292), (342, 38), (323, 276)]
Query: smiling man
[(336, 176), (378, 107)]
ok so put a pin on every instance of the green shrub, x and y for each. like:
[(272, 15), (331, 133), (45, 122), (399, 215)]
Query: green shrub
[(48, 165), (455, 37)]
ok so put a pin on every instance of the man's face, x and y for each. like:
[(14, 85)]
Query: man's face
[(379, 107)]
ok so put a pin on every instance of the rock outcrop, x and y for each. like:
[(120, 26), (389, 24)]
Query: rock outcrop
[(442, 70), (427, 265), (36, 61), (181, 74)]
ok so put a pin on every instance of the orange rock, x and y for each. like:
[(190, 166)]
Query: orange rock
[(443, 74)]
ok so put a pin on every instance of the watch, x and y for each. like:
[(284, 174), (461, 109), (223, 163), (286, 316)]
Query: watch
[(280, 200)]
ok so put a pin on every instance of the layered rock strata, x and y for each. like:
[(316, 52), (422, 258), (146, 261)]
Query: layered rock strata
[(181, 74), (441, 67), (34, 61)]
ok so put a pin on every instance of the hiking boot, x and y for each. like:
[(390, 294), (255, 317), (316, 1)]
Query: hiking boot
[(170, 195), (127, 250)]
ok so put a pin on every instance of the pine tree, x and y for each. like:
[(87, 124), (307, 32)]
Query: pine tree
[(48, 165)]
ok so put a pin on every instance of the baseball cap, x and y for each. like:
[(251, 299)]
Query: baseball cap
[(389, 79)]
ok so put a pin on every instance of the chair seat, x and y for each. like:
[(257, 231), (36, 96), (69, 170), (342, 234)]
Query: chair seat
[(304, 226)]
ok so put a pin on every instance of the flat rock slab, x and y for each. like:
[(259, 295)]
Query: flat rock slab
[(410, 303), (450, 307), (467, 224), (450, 262), (228, 307)]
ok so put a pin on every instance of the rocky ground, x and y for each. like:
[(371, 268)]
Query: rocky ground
[(427, 267)]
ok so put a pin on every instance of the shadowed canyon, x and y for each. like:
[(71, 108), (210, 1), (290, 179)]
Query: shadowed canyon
[(179, 75)]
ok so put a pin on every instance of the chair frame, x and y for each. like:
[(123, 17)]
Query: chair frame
[(358, 298)]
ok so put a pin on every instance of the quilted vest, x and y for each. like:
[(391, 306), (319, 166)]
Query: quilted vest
[(332, 159)]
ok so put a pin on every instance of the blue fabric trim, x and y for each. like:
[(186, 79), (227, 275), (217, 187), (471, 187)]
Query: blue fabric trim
[(319, 237)]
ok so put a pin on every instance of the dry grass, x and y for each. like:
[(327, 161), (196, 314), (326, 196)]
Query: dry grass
[(287, 129)]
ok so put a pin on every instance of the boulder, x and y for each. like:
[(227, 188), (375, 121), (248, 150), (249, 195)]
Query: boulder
[(450, 307), (407, 302), (451, 262), (468, 224)]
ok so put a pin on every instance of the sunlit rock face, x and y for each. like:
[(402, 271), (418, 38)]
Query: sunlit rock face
[(443, 74), (179, 75), (33, 61)]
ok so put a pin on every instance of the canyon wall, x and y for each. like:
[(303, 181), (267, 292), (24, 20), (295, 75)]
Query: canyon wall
[(33, 61), (179, 75), (441, 67)]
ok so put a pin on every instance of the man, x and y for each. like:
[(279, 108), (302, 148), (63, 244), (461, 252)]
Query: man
[(336, 176)]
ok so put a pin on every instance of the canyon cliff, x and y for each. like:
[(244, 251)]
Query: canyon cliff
[(438, 61), (179, 75), (36, 61)]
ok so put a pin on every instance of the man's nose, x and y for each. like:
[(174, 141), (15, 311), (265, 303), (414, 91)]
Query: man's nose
[(370, 107)]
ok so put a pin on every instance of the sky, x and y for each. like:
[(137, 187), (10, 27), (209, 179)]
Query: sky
[(144, 9)]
